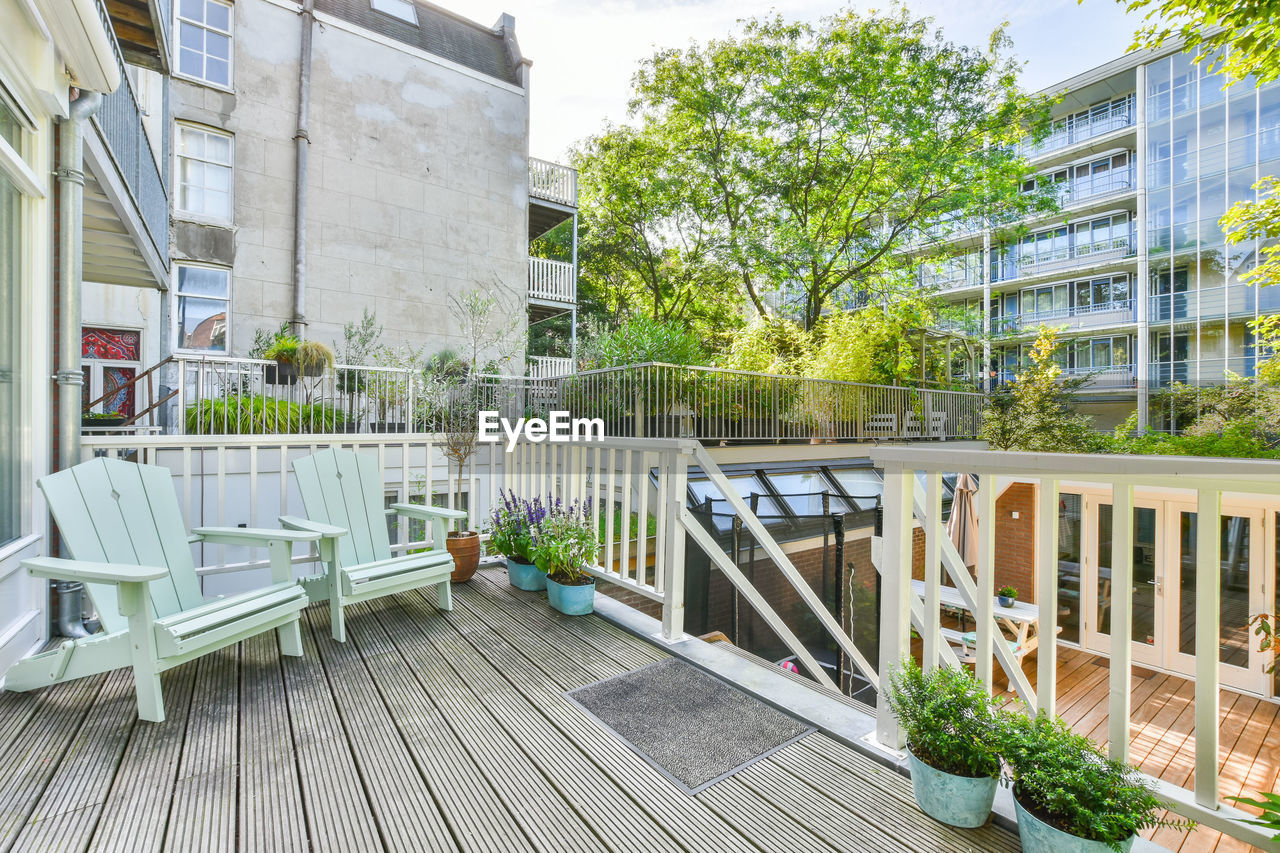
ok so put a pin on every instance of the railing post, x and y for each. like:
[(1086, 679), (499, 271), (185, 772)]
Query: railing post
[(1118, 709), (1208, 617), (984, 590), (895, 609), (931, 627), (673, 548), (1047, 596)]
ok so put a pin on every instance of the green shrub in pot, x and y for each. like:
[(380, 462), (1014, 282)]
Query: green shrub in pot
[(1070, 797), (952, 739)]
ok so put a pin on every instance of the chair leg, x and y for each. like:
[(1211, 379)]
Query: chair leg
[(150, 699), (337, 619), (290, 636), (444, 595)]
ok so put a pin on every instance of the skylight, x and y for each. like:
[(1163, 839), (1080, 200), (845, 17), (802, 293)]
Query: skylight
[(402, 9)]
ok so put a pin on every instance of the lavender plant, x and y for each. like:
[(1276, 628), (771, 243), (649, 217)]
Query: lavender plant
[(511, 529)]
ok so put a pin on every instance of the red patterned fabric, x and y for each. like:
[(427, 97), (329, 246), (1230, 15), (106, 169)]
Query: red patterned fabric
[(110, 344)]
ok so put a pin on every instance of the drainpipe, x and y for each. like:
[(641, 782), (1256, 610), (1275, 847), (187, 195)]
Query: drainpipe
[(70, 177), (303, 143)]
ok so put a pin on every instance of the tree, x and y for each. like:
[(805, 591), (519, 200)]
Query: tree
[(1239, 37), (803, 157), (1036, 411), (881, 344)]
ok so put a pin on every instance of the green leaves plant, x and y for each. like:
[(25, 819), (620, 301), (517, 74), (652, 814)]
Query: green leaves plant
[(950, 719)]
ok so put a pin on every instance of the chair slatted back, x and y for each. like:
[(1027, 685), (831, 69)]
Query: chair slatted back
[(344, 488), (113, 511)]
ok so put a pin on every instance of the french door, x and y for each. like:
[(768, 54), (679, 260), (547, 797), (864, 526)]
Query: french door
[(1164, 587)]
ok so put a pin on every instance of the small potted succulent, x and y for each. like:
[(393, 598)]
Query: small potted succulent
[(952, 744), (511, 534), (564, 545), (1006, 596), (1071, 798)]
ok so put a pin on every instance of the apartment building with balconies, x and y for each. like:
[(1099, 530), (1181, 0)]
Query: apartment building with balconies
[(1145, 154)]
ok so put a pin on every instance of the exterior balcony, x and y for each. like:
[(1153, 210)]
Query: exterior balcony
[(1071, 319), (1212, 303), (553, 287), (553, 195), (1203, 371), (1098, 130), (126, 197), (1077, 259), (142, 31), (1113, 378)]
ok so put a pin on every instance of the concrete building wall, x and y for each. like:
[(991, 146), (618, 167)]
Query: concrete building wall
[(417, 185)]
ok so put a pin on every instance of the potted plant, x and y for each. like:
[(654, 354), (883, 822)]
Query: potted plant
[(951, 726), (1006, 596), (283, 351), (1071, 798), (312, 357), (564, 544), (459, 421), (511, 534), (102, 419)]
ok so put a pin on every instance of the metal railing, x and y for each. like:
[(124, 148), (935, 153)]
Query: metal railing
[(553, 182), (1076, 130), (1212, 303), (1202, 371), (912, 492), (1096, 187), (1076, 317), (119, 122), (1100, 378), (552, 280), (1037, 263), (254, 396)]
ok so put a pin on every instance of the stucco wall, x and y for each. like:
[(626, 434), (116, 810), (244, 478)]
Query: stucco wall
[(418, 186)]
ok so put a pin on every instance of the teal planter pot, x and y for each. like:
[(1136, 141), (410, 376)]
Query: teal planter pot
[(526, 576), (1039, 837), (572, 600), (963, 801)]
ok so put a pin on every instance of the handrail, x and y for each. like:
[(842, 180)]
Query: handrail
[(128, 384)]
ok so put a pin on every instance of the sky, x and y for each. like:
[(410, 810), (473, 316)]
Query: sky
[(585, 51)]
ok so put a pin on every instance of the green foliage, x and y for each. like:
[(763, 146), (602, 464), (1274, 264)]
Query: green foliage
[(512, 526), (774, 158), (1007, 592), (264, 340), (1267, 331), (769, 345), (1241, 37), (258, 415), (638, 340), (283, 348), (1239, 418), (101, 416), (949, 718), (1241, 439), (880, 344), (1036, 411), (312, 357), (564, 543), (1270, 806), (1064, 779)]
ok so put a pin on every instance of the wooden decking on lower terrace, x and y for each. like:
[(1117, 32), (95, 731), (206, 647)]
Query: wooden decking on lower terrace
[(1162, 738), (425, 731)]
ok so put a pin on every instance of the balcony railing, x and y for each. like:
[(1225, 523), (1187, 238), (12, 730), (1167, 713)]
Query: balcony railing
[(1204, 371), (1038, 263), (1074, 131), (949, 279), (1096, 187), (553, 182), (119, 121), (1212, 303), (238, 395), (1100, 378), (1076, 317), (552, 280), (546, 367)]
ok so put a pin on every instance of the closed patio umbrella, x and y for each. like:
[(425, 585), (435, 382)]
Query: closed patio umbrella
[(962, 526)]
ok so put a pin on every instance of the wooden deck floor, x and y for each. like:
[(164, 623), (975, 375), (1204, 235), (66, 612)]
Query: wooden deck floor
[(1162, 741), (424, 732)]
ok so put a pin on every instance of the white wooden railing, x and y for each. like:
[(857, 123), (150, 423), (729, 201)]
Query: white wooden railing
[(546, 367), (552, 280), (907, 503), (553, 182)]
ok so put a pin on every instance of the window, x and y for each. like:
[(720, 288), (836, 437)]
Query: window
[(204, 173), (402, 9), (204, 41), (11, 338), (109, 359), (203, 295)]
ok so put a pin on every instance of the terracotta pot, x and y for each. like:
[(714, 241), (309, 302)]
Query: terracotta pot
[(465, 550)]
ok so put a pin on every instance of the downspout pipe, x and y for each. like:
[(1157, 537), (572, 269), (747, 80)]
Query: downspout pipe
[(69, 379), (302, 143)]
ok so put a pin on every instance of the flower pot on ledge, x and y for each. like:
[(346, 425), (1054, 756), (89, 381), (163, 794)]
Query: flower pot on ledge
[(526, 576), (464, 547), (572, 599)]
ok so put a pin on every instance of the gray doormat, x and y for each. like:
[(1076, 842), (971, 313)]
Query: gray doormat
[(692, 727)]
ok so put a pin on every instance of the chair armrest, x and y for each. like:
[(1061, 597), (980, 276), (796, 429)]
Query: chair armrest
[(293, 522), (83, 570), (251, 535), (426, 513)]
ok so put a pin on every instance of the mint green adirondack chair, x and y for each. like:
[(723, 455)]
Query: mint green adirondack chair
[(123, 526), (342, 493)]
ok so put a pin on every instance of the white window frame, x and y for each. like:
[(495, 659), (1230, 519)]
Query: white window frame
[(193, 216), (178, 21), (174, 331), (386, 7), (98, 366)]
